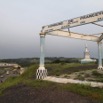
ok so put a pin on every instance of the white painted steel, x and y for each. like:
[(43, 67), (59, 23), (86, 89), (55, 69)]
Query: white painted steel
[(74, 35), (100, 38), (54, 29), (100, 55), (89, 18), (41, 71)]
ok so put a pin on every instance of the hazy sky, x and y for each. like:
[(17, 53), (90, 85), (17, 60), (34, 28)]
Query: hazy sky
[(21, 22)]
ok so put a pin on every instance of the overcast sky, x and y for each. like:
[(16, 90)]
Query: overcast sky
[(21, 22)]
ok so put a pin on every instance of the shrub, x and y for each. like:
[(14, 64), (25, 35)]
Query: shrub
[(95, 73)]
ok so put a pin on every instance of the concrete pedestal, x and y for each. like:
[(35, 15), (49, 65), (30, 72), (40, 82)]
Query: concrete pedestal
[(41, 73), (100, 67)]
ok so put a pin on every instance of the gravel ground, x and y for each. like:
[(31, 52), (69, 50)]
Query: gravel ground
[(26, 94)]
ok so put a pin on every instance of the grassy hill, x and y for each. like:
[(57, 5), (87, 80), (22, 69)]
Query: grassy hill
[(94, 95)]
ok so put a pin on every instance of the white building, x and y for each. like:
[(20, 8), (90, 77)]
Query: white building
[(87, 58)]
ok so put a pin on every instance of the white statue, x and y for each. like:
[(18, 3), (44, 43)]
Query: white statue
[(87, 56)]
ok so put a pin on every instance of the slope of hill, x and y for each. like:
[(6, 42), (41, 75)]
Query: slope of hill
[(25, 89)]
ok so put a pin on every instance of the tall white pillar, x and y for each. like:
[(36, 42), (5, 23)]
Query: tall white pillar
[(41, 71), (100, 55)]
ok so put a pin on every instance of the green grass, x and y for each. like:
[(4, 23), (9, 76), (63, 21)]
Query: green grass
[(28, 78), (12, 81), (2, 71), (94, 93), (97, 74), (59, 68)]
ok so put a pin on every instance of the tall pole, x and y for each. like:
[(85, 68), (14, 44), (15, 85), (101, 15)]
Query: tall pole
[(42, 43), (41, 71), (100, 55)]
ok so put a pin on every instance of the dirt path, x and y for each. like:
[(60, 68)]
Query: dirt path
[(25, 94), (65, 80)]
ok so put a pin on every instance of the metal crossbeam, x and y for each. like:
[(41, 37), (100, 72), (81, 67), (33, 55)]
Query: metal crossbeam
[(74, 35), (98, 24), (100, 38), (90, 18), (56, 30)]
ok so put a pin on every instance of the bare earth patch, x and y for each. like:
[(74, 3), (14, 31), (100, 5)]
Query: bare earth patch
[(26, 94)]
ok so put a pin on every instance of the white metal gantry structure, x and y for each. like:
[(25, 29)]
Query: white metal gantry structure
[(56, 29)]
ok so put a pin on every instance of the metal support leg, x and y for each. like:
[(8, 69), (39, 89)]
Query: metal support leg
[(100, 56), (41, 71)]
